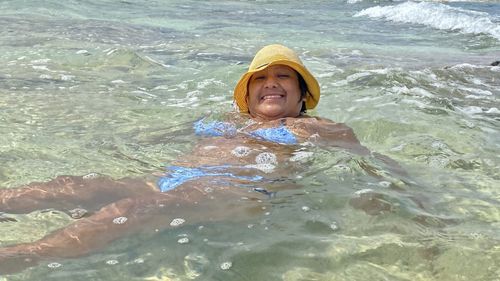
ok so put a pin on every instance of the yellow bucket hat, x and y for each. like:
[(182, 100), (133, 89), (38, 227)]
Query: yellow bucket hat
[(272, 55)]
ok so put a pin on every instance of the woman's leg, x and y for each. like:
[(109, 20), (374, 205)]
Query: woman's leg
[(190, 204), (70, 192)]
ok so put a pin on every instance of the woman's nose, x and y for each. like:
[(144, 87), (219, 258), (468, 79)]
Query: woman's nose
[(270, 82)]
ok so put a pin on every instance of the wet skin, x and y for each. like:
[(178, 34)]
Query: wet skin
[(274, 100), (274, 93)]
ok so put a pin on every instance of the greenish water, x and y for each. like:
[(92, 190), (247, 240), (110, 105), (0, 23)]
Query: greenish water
[(113, 87)]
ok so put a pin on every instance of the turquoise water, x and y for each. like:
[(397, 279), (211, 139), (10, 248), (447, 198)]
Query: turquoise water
[(113, 87)]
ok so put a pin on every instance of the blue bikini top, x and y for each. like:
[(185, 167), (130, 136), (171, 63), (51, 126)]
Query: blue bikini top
[(178, 175), (279, 134)]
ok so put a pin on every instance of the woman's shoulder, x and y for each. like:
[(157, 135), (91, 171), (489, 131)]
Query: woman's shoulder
[(328, 132), (317, 123)]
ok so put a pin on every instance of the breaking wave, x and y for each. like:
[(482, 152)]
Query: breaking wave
[(436, 15)]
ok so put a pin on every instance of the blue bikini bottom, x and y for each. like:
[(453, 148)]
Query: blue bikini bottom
[(178, 175)]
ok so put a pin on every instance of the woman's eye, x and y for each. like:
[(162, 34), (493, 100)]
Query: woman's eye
[(283, 75), (259, 78)]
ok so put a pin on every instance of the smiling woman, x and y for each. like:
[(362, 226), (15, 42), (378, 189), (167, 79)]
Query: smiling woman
[(276, 85), (274, 92), (231, 157)]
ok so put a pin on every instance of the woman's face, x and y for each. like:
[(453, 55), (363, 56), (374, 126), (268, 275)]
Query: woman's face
[(274, 93)]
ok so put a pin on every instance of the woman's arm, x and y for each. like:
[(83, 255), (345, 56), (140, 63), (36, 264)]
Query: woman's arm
[(327, 133), (340, 135)]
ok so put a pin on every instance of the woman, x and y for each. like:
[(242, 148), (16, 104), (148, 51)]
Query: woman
[(217, 179)]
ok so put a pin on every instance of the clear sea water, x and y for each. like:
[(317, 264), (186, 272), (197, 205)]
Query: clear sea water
[(113, 87)]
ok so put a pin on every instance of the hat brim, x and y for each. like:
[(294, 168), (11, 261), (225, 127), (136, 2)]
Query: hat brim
[(241, 89)]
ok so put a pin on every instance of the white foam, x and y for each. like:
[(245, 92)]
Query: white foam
[(66, 77), (436, 15), (45, 76), (194, 93), (177, 221), (356, 76), (476, 91), (40, 61), (422, 92), (471, 110), (326, 75), (363, 191), (266, 167), (364, 100), (138, 260), (188, 102), (266, 158), (90, 176), (183, 240), (301, 156), (384, 183), (112, 262), (203, 84), (356, 53), (470, 1), (334, 226), (217, 98), (493, 110), (226, 265), (473, 97), (144, 93), (40, 67), (157, 62), (465, 66), (241, 151), (54, 265), (110, 51), (382, 71), (120, 220)]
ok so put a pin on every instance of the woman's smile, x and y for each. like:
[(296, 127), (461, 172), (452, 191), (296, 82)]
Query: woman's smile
[(274, 93)]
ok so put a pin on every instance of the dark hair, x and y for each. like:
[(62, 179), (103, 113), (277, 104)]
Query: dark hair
[(303, 91)]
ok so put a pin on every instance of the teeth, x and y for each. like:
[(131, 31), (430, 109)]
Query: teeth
[(271, 97)]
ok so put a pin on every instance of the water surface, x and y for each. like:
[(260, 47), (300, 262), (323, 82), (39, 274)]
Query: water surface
[(113, 87)]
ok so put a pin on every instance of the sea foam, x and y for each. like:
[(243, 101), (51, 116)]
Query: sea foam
[(436, 15)]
